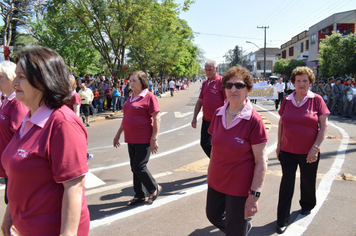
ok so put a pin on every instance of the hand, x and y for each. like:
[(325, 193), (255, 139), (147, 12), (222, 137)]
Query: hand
[(251, 206), (194, 123), (116, 142), (6, 223), (154, 146), (312, 155)]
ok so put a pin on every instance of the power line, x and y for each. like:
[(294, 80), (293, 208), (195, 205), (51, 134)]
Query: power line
[(230, 36)]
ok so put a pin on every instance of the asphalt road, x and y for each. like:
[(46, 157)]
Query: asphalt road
[(180, 168)]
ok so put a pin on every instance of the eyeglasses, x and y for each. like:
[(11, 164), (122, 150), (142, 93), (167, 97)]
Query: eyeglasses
[(237, 85)]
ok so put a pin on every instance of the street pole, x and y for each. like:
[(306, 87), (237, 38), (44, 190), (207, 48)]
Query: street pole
[(264, 51)]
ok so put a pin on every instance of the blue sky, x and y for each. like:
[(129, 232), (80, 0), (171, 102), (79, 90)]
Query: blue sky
[(223, 24)]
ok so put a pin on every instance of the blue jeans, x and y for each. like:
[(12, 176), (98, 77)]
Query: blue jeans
[(115, 100), (101, 103)]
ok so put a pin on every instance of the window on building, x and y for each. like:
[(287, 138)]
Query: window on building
[(268, 65), (291, 51), (307, 45), (313, 39), (284, 54), (302, 47)]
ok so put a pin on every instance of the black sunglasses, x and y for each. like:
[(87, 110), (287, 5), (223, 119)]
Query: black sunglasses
[(237, 85)]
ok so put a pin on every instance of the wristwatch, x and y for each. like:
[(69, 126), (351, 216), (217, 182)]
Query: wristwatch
[(255, 193), (154, 139)]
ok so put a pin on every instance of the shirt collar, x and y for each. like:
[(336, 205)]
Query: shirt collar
[(40, 116), (245, 113), (217, 76), (142, 94), (12, 96), (310, 94)]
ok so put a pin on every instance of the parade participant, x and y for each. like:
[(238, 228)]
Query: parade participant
[(327, 89), (301, 130), (280, 91), (11, 111), (86, 96), (46, 158), (347, 90), (212, 96), (290, 87), (337, 94), (319, 89), (238, 161), (140, 124)]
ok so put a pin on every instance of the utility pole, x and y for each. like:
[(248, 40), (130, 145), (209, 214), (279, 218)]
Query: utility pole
[(264, 51)]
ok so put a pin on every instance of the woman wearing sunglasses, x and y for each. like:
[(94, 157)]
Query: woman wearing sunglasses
[(238, 161)]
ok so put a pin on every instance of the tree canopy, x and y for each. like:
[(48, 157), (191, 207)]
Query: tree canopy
[(337, 55), (286, 66)]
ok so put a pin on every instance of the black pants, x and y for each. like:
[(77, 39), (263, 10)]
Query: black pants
[(172, 91), (308, 171), (139, 156), (205, 138), (279, 100), (226, 212)]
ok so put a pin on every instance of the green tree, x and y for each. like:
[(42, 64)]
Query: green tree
[(233, 56), (337, 55), (286, 66)]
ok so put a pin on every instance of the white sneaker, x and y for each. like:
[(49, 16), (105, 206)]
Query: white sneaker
[(89, 157)]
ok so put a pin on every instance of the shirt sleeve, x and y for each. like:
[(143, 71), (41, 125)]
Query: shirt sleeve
[(258, 133), (68, 151), (202, 89), (322, 108), (283, 105), (152, 104), (212, 123)]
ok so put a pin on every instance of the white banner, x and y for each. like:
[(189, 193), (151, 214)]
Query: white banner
[(263, 92)]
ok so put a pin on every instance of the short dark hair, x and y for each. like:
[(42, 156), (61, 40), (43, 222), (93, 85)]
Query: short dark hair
[(46, 71), (241, 72), (142, 77)]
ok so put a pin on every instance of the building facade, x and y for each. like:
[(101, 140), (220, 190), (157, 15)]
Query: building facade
[(254, 61), (296, 48)]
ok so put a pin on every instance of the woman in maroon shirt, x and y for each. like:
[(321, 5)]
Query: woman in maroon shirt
[(301, 130), (11, 110)]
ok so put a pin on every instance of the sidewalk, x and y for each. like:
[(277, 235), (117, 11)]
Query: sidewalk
[(105, 115)]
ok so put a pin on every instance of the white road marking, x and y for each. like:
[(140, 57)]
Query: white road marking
[(200, 115), (158, 203), (92, 181), (178, 114), (272, 113), (300, 224), (163, 113), (120, 185), (152, 157)]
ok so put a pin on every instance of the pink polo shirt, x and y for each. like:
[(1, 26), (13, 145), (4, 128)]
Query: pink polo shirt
[(138, 122), (11, 114), (50, 152), (232, 162), (213, 96), (301, 124)]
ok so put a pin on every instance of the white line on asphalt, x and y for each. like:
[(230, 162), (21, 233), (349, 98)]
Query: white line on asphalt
[(120, 185), (152, 157), (274, 114), (163, 113), (158, 203), (302, 222), (165, 132)]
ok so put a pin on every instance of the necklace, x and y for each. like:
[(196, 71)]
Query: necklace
[(234, 115)]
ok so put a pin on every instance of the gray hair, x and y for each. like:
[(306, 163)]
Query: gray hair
[(211, 63), (8, 68)]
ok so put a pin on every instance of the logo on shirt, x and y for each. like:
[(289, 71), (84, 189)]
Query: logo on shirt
[(135, 107), (2, 117), (214, 91), (311, 112), (22, 153), (239, 140)]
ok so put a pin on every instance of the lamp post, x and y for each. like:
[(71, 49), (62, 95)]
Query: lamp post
[(264, 57)]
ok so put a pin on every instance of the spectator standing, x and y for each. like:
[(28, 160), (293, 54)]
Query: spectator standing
[(171, 87), (96, 99), (337, 97), (212, 96), (347, 90), (115, 94), (101, 98), (86, 96), (108, 96), (327, 89)]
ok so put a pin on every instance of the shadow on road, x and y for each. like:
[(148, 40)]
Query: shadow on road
[(211, 230), (103, 209)]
